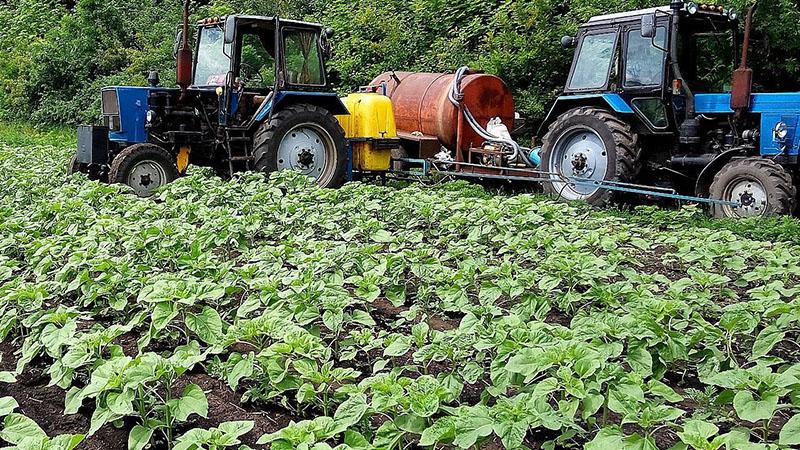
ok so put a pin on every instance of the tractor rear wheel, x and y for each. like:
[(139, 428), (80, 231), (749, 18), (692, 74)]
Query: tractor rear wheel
[(762, 186), (592, 144), (143, 167), (305, 138)]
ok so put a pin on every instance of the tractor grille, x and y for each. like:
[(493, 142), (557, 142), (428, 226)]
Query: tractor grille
[(110, 102)]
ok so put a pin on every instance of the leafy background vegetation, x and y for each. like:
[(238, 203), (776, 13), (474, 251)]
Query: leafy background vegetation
[(57, 54)]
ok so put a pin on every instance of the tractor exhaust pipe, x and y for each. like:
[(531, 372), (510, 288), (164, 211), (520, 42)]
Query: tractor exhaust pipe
[(183, 65), (742, 83)]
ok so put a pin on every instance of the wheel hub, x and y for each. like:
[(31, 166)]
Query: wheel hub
[(750, 194), (579, 163), (578, 153), (307, 149), (146, 176), (305, 158)]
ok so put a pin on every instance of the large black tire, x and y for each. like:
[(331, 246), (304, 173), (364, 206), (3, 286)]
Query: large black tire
[(268, 138), (143, 167), (762, 186), (621, 152)]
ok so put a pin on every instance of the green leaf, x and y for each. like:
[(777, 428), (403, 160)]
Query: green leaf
[(609, 438), (7, 405), (472, 424), (65, 442), (753, 410), (242, 369), (17, 427), (442, 431), (232, 430), (398, 347), (139, 437), (207, 325), (640, 360), (350, 411), (697, 432), (766, 340), (528, 362), (192, 401), (790, 433), (512, 433), (163, 313), (660, 389)]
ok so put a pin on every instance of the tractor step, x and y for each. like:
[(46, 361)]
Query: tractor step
[(239, 139), (240, 158)]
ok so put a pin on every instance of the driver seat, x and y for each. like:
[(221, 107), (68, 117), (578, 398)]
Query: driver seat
[(262, 101)]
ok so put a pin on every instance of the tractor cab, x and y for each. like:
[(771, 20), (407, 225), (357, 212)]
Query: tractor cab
[(251, 58), (632, 55)]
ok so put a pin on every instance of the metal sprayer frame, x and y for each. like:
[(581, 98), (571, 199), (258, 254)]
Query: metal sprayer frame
[(431, 167)]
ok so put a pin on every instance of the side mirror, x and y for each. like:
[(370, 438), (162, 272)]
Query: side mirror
[(649, 26), (230, 29), (568, 41), (177, 44), (328, 32)]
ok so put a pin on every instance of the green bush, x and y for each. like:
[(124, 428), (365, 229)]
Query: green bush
[(58, 54)]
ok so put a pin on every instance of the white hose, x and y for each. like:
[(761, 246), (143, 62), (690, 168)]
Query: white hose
[(457, 97)]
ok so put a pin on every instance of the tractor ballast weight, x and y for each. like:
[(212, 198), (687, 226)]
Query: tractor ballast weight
[(253, 94)]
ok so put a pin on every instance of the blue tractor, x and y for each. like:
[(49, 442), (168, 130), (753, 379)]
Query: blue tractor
[(650, 101), (255, 96)]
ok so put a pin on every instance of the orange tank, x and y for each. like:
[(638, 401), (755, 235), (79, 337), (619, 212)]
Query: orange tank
[(421, 104)]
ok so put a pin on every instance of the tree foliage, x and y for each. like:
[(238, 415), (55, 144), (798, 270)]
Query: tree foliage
[(58, 54)]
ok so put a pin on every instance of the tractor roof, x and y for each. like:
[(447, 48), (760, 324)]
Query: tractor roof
[(256, 19), (714, 12), (270, 19), (629, 15)]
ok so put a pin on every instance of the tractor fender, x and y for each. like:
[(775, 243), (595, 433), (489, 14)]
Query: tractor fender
[(711, 169), (328, 100), (565, 103)]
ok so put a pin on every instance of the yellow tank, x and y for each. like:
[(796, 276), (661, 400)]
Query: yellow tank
[(371, 129)]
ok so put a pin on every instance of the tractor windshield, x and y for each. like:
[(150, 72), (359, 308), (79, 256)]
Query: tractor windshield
[(213, 58), (593, 63)]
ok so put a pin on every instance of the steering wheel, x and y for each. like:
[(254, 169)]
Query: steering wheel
[(248, 73)]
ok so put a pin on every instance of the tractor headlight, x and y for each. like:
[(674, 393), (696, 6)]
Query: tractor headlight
[(151, 116), (780, 132), (733, 14), (692, 8)]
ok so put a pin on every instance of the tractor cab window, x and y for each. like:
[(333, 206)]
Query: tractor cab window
[(593, 63), (213, 58), (302, 59), (645, 59), (257, 68)]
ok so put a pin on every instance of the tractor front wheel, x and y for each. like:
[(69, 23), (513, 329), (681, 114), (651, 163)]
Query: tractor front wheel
[(305, 138), (761, 186), (586, 146), (143, 167)]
